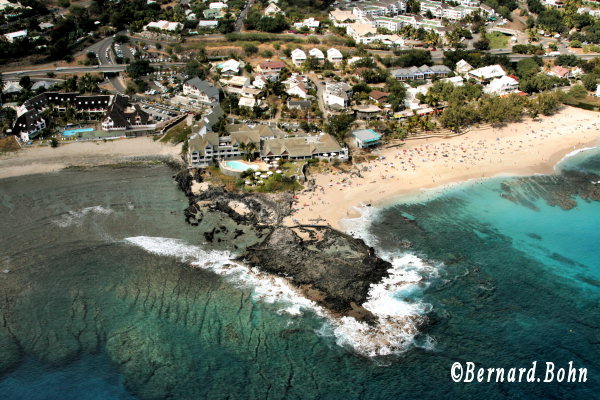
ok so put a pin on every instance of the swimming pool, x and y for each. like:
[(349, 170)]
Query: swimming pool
[(240, 166), (72, 132)]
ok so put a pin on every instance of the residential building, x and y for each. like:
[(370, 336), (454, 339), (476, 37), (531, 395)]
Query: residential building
[(12, 87), (502, 85), (18, 35), (422, 72), (297, 86), (235, 84), (299, 104), (217, 5), (122, 116), (201, 90), (341, 18), (208, 24), (271, 66), (364, 138), (486, 74), (322, 146), (334, 56), (316, 53), (298, 57), (309, 23), (213, 13), (379, 96), (455, 80), (361, 33), (164, 26), (229, 67), (337, 95), (462, 67), (272, 9), (559, 72), (365, 112)]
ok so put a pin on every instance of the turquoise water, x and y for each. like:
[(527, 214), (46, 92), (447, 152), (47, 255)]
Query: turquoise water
[(99, 297), (71, 132), (240, 166)]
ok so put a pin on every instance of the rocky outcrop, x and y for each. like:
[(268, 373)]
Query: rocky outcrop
[(330, 267)]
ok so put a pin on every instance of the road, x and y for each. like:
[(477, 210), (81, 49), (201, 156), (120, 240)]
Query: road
[(320, 89), (239, 24), (79, 70), (101, 48)]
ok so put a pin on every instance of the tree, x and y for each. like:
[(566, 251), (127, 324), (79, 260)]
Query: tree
[(25, 82), (138, 68), (482, 44), (250, 49), (590, 81), (339, 125), (527, 67), (456, 116)]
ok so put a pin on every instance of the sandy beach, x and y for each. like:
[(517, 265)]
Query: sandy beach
[(40, 159), (524, 148)]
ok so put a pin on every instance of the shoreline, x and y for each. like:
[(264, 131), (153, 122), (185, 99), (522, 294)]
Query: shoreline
[(43, 159), (519, 149)]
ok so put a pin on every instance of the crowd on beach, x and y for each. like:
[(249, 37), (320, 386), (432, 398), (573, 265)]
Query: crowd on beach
[(415, 164)]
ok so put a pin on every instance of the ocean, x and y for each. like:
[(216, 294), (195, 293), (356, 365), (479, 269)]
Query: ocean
[(106, 293)]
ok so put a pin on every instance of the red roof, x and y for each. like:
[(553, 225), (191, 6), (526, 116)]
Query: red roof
[(271, 65)]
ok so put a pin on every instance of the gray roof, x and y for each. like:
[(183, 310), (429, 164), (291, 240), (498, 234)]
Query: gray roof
[(203, 86)]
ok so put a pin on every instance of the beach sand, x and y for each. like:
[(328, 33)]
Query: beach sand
[(41, 159), (524, 148)]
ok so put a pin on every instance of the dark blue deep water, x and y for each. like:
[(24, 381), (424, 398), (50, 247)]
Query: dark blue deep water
[(87, 315)]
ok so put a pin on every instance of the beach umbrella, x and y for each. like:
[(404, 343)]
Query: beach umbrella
[(248, 183), (278, 171), (269, 173), (257, 173), (277, 158), (263, 176)]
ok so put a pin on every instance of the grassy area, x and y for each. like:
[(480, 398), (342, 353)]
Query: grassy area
[(177, 134), (587, 103), (9, 144), (497, 40)]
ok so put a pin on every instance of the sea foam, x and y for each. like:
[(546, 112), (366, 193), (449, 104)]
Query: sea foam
[(76, 217), (397, 317)]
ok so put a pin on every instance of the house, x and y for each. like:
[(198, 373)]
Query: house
[(379, 96), (207, 122), (272, 9), (42, 85), (121, 116), (486, 74), (334, 56), (297, 86), (462, 67), (164, 26), (322, 146), (201, 90), (411, 99), (18, 35), (422, 72), (337, 95), (229, 67), (213, 13), (316, 53), (367, 111), (235, 84), (502, 85), (271, 66), (46, 25), (361, 33), (208, 24), (299, 104), (309, 23), (217, 5), (298, 57), (455, 80), (364, 138), (341, 18), (559, 72), (29, 121), (12, 87), (249, 102)]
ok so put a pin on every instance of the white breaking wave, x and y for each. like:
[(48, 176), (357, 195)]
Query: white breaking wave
[(76, 217), (557, 166), (397, 317)]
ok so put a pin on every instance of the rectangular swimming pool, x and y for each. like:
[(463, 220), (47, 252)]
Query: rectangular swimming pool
[(240, 166), (71, 132)]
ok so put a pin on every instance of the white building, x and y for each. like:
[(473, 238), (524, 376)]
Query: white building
[(341, 18), (164, 26), (272, 9), (486, 74), (229, 67), (218, 5), (462, 67), (316, 53), (361, 33), (337, 95), (334, 56), (501, 86), (208, 24), (201, 90), (11, 37), (310, 23), (298, 57)]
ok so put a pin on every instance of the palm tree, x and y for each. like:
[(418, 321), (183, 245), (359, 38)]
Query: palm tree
[(250, 151)]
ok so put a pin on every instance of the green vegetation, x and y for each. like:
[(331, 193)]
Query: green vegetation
[(178, 134), (497, 40)]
